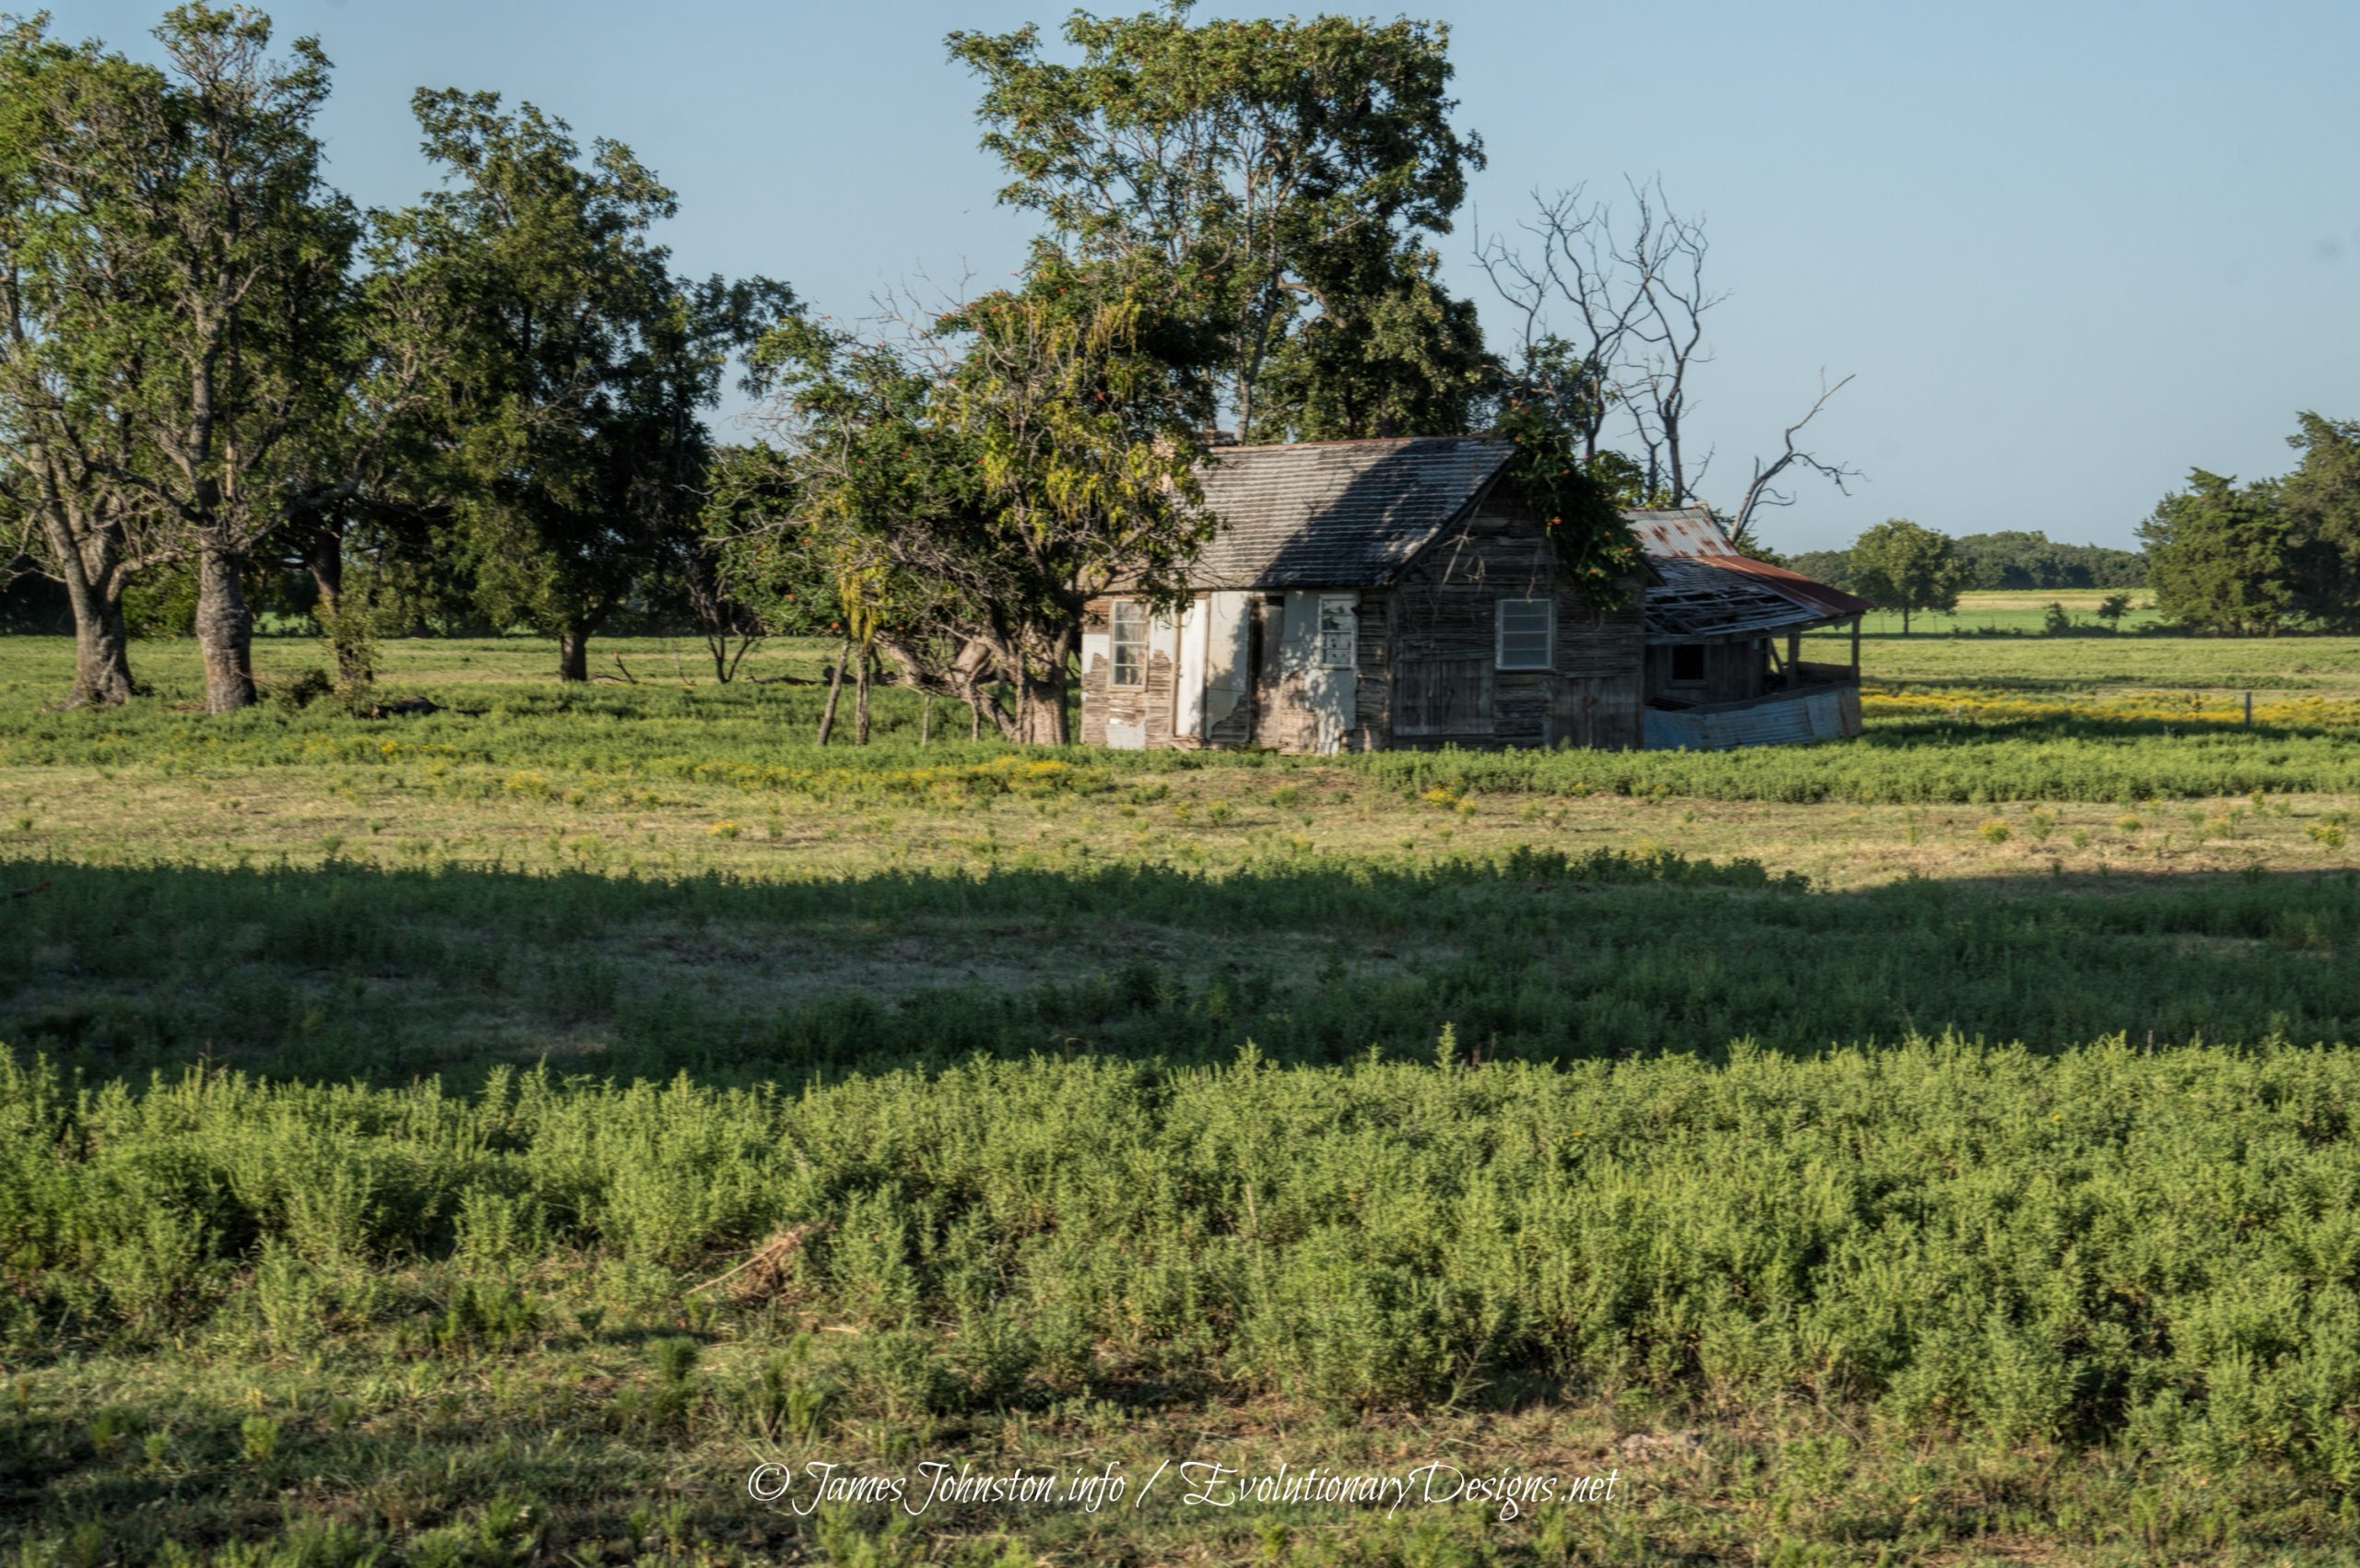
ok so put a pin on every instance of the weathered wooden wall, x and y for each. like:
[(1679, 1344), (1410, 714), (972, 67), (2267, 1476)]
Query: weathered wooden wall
[(1426, 653), (1735, 671), (1440, 680)]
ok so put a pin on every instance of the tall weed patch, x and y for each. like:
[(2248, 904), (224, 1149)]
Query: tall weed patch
[(2096, 1245)]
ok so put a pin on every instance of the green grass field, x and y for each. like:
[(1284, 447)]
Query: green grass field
[(2019, 612), (483, 1138)]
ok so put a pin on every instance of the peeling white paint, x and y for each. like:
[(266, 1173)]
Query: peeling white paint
[(1228, 656), (1188, 696), (1329, 694)]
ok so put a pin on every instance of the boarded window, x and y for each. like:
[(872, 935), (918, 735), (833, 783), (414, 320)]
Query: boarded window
[(1442, 696), (1339, 632), (1688, 663), (1527, 633), (1129, 642)]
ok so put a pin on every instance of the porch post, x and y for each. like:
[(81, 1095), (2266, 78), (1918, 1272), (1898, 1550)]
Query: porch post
[(1856, 650)]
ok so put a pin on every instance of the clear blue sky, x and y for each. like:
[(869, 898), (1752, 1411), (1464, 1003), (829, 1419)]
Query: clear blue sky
[(2069, 249)]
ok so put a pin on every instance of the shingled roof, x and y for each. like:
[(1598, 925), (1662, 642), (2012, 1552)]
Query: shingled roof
[(1334, 513), (1703, 588)]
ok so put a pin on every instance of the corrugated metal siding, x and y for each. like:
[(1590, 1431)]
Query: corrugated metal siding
[(1831, 713)]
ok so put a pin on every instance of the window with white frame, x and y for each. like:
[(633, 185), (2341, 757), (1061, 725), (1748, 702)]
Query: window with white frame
[(1339, 631), (1127, 643), (1527, 634)]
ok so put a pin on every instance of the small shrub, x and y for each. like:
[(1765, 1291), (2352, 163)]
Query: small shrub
[(303, 690), (257, 1439), (675, 1357), (1994, 829)]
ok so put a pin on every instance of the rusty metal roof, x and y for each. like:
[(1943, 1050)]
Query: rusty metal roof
[(1336, 513), (1701, 588), (1680, 530)]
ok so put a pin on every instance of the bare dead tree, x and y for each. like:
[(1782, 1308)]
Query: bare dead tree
[(1576, 264), (1760, 492), (1667, 259), (1614, 306)]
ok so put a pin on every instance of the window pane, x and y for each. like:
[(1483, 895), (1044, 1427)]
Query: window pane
[(1129, 642), (1338, 633), (1527, 633)]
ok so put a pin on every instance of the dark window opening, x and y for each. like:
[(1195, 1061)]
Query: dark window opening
[(1688, 663)]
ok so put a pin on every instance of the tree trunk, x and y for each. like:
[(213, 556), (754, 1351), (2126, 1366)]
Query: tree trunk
[(101, 645), (324, 558), (1041, 700), (102, 642), (573, 653), (1042, 697), (860, 699), (102, 667), (926, 718), (835, 686), (225, 631)]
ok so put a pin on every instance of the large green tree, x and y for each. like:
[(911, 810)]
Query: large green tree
[(2322, 498), (183, 226), (579, 367), (59, 440), (1285, 174), (963, 496), (2217, 555), (1900, 565)]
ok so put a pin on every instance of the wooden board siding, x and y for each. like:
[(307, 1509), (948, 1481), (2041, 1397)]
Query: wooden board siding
[(1104, 703), (1425, 660), (1373, 703), (1443, 627), (1735, 671)]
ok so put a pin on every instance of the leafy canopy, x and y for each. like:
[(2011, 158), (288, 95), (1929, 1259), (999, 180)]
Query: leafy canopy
[(1280, 173), (1899, 565)]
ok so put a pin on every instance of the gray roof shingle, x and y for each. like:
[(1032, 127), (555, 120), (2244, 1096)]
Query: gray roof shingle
[(1338, 513)]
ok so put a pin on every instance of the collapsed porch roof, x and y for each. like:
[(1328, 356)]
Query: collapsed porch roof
[(1701, 589)]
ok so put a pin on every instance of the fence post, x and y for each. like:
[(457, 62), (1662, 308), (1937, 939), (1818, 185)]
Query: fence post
[(2248, 710)]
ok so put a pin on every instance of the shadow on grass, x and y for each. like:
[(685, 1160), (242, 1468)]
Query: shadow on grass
[(345, 972)]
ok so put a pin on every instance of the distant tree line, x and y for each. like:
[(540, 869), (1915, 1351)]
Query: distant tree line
[(2256, 559), (226, 390), (2009, 559)]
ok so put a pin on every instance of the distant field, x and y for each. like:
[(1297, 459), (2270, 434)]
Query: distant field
[(1938, 1144), (2031, 662), (2013, 609)]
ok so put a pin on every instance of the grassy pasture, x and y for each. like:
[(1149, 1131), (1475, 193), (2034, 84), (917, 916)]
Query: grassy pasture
[(2016, 611), (1935, 1148)]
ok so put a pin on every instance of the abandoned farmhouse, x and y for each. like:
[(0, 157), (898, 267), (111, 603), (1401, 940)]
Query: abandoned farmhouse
[(1364, 595)]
